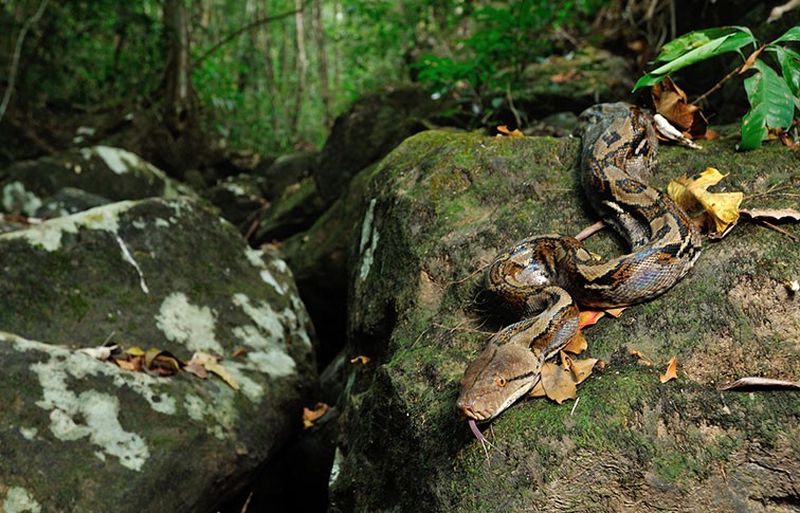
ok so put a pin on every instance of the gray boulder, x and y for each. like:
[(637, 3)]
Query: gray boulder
[(108, 172), (78, 434)]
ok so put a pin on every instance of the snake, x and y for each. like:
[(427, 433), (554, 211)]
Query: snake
[(549, 277)]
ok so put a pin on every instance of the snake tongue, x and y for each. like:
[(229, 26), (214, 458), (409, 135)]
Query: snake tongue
[(482, 439)]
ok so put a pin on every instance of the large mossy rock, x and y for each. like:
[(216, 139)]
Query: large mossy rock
[(370, 129), (108, 173), (437, 210), (78, 434), (574, 82)]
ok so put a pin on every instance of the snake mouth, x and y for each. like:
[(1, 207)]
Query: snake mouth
[(470, 413)]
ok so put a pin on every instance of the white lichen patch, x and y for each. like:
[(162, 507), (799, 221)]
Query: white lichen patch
[(47, 235), (234, 188), (267, 278), (368, 242), (219, 416), (161, 223), (128, 257), (188, 324), (18, 500), (92, 414), (28, 433), (262, 314), (255, 256), (17, 199)]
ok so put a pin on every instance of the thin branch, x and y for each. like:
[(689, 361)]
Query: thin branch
[(12, 73), (250, 26), (735, 71)]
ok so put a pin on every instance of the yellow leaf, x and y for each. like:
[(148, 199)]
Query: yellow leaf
[(578, 344), (616, 312), (135, 351), (641, 357), (310, 416), (672, 371), (722, 207), (363, 360)]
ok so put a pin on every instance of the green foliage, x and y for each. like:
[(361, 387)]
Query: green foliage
[(506, 37), (773, 96)]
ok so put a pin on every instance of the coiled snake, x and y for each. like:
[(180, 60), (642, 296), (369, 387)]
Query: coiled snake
[(550, 275)]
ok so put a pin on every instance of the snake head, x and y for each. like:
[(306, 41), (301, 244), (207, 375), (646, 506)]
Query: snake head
[(496, 379)]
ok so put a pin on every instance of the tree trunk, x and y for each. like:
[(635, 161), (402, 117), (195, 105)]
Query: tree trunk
[(178, 105), (337, 51), (302, 63), (269, 71), (322, 63)]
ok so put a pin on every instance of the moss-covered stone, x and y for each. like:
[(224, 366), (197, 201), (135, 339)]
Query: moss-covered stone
[(111, 173), (154, 273), (434, 214)]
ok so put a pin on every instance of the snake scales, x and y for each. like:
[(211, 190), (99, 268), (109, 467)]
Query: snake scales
[(550, 275)]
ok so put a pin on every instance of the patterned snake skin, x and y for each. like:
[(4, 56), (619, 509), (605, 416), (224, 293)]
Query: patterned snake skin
[(550, 275)]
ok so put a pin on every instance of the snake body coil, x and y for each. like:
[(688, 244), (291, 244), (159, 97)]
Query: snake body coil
[(550, 275)]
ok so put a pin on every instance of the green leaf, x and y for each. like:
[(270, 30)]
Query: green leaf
[(790, 66), (697, 39), (793, 34), (712, 48), (771, 105), (648, 80)]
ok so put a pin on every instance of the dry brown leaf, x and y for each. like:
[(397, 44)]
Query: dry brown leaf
[(672, 370), (616, 312), (503, 129), (582, 369), (751, 59), (211, 364), (578, 344), (589, 317), (101, 353), (641, 357), (538, 390), (363, 360), (134, 363), (671, 102), (161, 362), (560, 78), (722, 207), (196, 369), (311, 416), (239, 351), (774, 214), (558, 383), (754, 381)]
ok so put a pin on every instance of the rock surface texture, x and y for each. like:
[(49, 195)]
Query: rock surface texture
[(78, 434), (434, 214)]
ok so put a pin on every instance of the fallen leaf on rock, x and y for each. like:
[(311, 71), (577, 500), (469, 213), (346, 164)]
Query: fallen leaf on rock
[(793, 286), (578, 344), (590, 317), (161, 362), (538, 390), (239, 351), (311, 416), (133, 364), (641, 357), (503, 129), (616, 312), (754, 381), (672, 371), (135, 351), (671, 102), (211, 364), (101, 353), (558, 382), (196, 369), (722, 208), (582, 369), (363, 360), (773, 214)]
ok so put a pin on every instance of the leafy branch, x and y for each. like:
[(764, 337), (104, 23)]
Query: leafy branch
[(773, 95)]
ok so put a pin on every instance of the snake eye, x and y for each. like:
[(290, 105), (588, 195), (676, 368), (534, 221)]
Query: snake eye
[(500, 381)]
